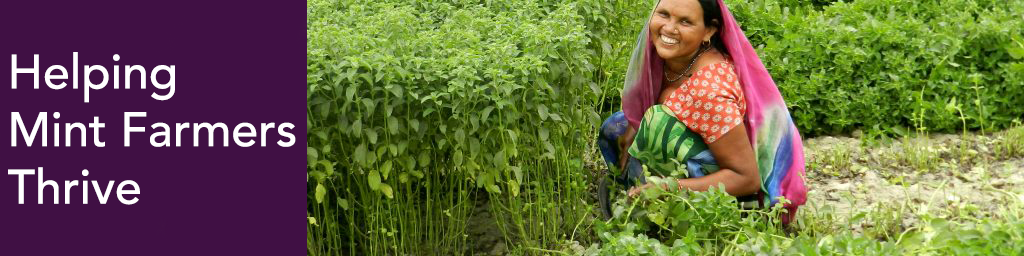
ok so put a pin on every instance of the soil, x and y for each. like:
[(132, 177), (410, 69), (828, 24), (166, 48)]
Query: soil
[(964, 183), (484, 235)]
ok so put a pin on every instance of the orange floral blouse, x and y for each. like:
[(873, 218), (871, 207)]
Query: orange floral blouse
[(710, 102)]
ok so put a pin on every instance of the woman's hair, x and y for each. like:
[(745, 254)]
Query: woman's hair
[(713, 18)]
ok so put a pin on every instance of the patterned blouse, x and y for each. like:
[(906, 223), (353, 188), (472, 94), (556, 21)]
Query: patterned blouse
[(673, 136), (711, 102)]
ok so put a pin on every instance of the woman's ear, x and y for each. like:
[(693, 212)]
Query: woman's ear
[(711, 30)]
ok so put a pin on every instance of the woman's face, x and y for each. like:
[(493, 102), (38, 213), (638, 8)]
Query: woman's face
[(678, 29)]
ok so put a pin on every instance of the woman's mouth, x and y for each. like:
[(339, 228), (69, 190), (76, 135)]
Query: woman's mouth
[(668, 41)]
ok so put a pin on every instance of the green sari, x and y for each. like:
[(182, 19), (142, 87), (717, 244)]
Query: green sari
[(668, 148)]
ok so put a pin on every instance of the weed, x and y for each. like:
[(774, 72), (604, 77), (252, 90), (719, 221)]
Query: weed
[(919, 153), (1011, 142)]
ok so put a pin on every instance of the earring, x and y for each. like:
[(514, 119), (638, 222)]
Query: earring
[(705, 44)]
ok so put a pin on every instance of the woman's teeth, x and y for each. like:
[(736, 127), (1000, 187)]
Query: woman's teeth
[(668, 41)]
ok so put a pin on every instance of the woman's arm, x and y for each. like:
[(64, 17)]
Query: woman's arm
[(738, 166)]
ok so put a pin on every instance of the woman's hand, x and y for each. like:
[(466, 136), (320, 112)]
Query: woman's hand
[(637, 190)]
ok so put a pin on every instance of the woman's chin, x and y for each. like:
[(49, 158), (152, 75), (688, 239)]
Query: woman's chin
[(666, 52)]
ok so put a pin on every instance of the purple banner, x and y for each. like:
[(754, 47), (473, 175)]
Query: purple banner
[(209, 68)]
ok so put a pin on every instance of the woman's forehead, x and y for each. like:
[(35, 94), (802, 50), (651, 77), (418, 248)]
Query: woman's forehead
[(682, 8)]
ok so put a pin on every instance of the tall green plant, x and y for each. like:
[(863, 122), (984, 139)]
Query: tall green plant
[(415, 109)]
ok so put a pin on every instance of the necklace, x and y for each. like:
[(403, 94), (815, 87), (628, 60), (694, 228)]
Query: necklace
[(672, 80)]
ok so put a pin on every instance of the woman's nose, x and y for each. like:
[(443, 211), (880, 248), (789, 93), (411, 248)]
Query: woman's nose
[(669, 28)]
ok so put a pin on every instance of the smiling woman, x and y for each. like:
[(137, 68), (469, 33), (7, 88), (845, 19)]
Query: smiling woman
[(682, 30), (699, 106)]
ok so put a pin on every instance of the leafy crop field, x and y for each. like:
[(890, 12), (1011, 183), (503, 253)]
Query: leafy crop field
[(467, 127)]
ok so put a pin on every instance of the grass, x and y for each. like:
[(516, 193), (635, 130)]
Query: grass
[(919, 153), (837, 161), (1011, 142)]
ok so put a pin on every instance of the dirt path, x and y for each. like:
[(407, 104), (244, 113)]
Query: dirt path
[(846, 178)]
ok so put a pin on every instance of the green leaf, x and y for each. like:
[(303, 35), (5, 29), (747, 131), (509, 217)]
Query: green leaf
[(374, 180), (486, 112), (657, 218), (396, 90), (385, 169), (550, 148), (460, 136), (493, 188), (513, 187), (1016, 52), (402, 146), (512, 135), (370, 105), (394, 149), (410, 162), (393, 125), (386, 189), (324, 109), (484, 179), (499, 159), (457, 158), (328, 167), (320, 192), (543, 111), (518, 172), (311, 156), (367, 77), (474, 146), (417, 174), (318, 176), (371, 135), (403, 178), (350, 92), (360, 154), (415, 124), (424, 159), (357, 128), (343, 203)]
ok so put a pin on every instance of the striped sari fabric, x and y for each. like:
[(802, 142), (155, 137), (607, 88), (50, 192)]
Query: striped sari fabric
[(668, 148)]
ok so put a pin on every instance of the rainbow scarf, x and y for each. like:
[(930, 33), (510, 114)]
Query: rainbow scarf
[(776, 141)]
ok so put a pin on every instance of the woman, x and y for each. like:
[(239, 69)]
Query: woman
[(698, 105)]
